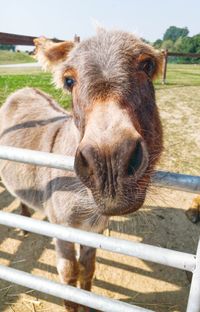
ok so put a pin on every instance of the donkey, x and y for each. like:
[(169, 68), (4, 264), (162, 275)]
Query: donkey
[(114, 132)]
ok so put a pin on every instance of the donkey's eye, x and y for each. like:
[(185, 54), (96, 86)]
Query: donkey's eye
[(148, 66), (69, 83)]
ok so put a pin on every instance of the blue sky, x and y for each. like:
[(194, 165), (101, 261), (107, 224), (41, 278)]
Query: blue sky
[(64, 18)]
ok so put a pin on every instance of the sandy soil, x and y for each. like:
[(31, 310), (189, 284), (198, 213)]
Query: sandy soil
[(162, 222)]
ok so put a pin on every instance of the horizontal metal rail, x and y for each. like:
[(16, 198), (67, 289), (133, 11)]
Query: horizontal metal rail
[(177, 181), (160, 255), (66, 292), (37, 158), (182, 182), (196, 55), (172, 258)]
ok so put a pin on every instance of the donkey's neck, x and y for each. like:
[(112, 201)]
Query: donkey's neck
[(67, 138)]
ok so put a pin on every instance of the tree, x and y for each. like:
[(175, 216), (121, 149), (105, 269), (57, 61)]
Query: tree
[(9, 47), (196, 43), (176, 39), (168, 44), (157, 44), (173, 33), (178, 45)]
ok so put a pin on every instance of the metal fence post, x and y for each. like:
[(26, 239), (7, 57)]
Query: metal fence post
[(194, 296), (164, 70), (76, 38)]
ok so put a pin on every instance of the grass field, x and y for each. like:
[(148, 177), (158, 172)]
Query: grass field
[(14, 79), (11, 81), (8, 57), (181, 75), (178, 101)]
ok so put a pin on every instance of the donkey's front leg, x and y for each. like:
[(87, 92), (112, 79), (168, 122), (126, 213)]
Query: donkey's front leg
[(86, 269), (67, 267), (86, 266), (26, 213)]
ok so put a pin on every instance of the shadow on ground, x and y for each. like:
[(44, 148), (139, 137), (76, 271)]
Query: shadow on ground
[(149, 285)]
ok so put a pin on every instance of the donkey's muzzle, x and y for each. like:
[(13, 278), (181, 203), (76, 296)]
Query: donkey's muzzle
[(107, 168)]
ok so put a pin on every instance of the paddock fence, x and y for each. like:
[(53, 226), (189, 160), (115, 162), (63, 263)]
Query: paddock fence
[(166, 55), (176, 259), (7, 38)]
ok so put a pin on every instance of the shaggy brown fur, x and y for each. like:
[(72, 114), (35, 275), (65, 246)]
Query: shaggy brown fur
[(114, 133)]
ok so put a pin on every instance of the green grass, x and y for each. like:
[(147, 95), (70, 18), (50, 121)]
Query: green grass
[(8, 57), (180, 75), (11, 83), (12, 79)]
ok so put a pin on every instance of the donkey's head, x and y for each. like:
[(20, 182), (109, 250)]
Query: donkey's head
[(110, 78)]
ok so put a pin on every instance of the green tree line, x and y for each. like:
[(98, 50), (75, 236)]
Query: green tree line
[(177, 39)]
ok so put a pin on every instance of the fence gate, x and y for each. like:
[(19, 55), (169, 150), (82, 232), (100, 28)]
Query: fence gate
[(176, 259)]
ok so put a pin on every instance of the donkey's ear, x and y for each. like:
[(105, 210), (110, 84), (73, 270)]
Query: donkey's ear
[(50, 53)]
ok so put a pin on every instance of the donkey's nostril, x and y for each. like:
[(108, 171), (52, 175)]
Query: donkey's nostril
[(135, 160), (84, 161)]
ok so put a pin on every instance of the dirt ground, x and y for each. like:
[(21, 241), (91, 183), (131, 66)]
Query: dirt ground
[(161, 222)]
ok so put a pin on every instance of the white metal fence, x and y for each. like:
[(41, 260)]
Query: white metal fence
[(146, 252)]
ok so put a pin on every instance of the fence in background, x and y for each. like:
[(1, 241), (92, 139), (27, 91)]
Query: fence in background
[(146, 252), (166, 54), (6, 38)]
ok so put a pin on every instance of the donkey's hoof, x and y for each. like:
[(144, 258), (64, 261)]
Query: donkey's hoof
[(23, 233), (86, 309), (70, 306), (83, 309)]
